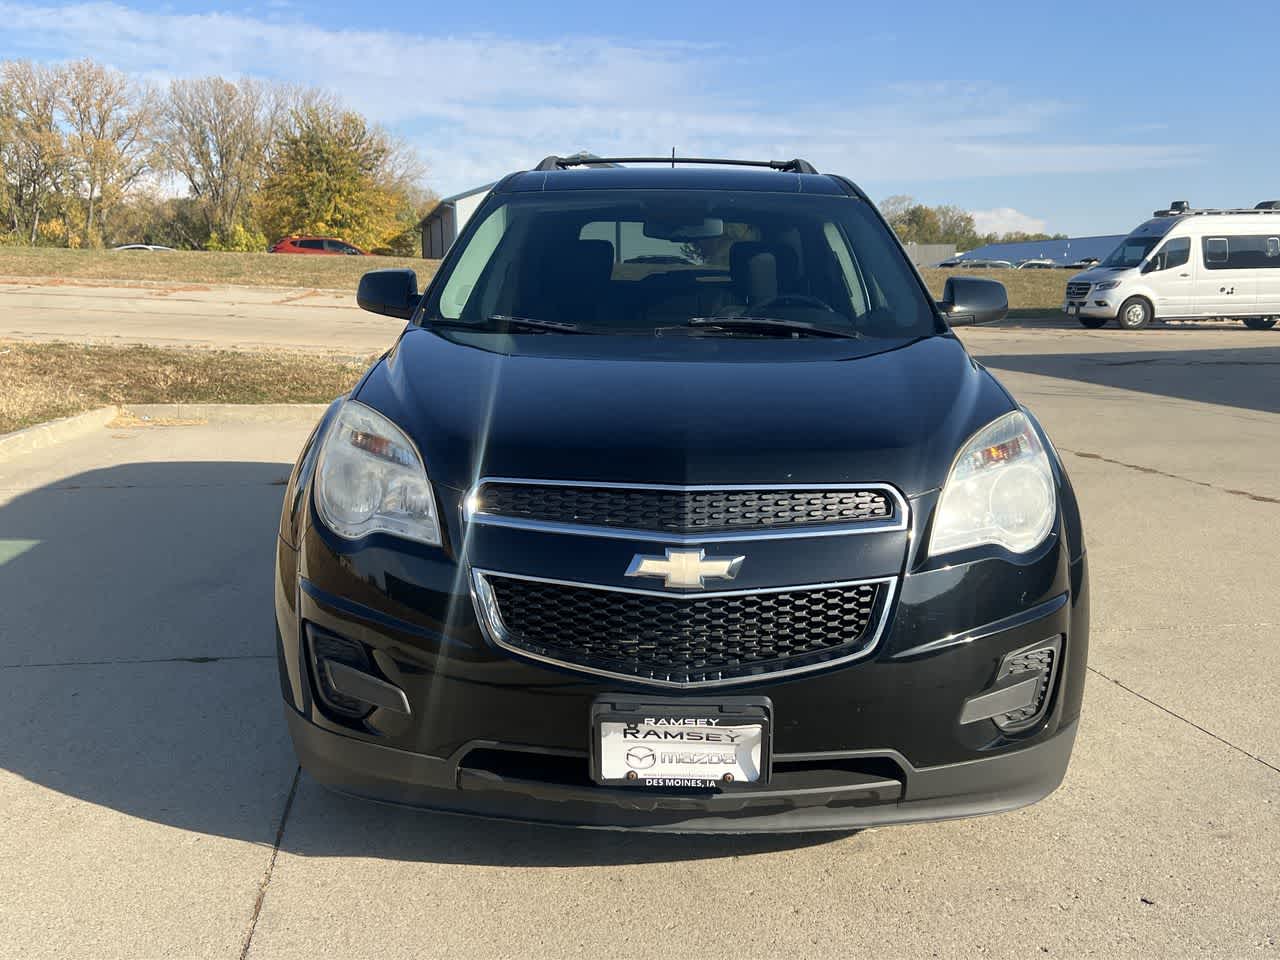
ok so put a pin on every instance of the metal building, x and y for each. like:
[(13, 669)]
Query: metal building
[(1061, 252), (929, 254), (440, 227)]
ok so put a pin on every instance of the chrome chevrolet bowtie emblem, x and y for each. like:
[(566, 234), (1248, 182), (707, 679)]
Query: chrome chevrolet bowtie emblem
[(685, 569)]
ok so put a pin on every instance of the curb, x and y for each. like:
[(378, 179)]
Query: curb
[(224, 412), (21, 442)]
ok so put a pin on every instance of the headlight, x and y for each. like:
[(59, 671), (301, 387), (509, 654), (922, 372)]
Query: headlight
[(1000, 490), (1107, 285), (371, 479)]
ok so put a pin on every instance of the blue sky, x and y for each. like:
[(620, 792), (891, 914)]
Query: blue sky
[(1073, 117)]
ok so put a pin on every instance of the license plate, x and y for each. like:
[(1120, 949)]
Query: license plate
[(663, 744)]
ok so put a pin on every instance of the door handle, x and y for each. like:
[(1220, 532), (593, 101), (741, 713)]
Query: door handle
[(1184, 274)]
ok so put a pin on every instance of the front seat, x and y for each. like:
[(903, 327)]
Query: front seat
[(753, 269)]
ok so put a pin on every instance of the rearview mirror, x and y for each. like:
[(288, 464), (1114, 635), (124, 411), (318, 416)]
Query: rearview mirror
[(968, 300), (392, 293), (683, 231)]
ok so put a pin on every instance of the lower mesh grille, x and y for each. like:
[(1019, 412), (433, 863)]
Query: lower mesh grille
[(1040, 661), (685, 639)]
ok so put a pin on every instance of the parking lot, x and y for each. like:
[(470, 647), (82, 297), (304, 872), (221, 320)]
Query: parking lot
[(150, 804)]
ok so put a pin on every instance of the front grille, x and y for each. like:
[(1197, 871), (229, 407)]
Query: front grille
[(1077, 289), (684, 511), (685, 639)]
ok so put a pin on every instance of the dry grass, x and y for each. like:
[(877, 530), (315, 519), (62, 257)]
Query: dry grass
[(254, 269), (44, 381), (1031, 292)]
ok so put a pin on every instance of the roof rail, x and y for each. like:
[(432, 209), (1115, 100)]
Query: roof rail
[(788, 166), (1216, 213)]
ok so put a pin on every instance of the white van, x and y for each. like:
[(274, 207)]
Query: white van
[(1186, 264)]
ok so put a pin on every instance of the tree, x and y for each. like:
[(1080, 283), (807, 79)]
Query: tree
[(895, 207), (216, 135), (33, 155), (333, 173), (916, 223), (110, 122), (956, 226)]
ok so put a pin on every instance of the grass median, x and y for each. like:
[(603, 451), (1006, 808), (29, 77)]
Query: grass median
[(1031, 292), (45, 381), (50, 264)]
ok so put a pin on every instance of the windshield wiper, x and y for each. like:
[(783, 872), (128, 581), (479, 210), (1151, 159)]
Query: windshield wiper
[(529, 323), (772, 325), (514, 323)]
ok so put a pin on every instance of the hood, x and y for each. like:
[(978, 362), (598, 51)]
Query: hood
[(1097, 274), (705, 411)]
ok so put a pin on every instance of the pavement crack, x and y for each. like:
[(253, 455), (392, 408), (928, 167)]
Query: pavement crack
[(126, 661), (271, 865), (1191, 723), (1256, 497)]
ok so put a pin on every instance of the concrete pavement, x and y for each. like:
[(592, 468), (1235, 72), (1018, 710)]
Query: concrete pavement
[(147, 795)]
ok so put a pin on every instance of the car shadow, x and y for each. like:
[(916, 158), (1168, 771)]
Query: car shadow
[(138, 674), (1242, 377)]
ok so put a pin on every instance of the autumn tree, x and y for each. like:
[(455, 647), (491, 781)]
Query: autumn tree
[(215, 134), (33, 156), (110, 124), (331, 172)]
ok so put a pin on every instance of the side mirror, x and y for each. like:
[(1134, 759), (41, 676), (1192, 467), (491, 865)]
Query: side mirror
[(392, 293), (1152, 265), (969, 300)]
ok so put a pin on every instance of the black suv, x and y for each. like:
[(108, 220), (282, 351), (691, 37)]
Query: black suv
[(678, 506)]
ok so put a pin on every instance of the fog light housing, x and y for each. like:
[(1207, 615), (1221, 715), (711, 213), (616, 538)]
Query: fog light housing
[(1020, 696), (345, 678)]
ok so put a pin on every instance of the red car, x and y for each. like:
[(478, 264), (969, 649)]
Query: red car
[(330, 246)]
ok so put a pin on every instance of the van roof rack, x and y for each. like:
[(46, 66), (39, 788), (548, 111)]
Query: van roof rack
[(1180, 208), (787, 166)]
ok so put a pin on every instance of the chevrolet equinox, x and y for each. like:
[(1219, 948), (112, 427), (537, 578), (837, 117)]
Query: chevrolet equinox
[(677, 505)]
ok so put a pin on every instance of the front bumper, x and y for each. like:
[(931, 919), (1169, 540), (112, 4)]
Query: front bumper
[(1098, 305), (971, 788), (877, 741)]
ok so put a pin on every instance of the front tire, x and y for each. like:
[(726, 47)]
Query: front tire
[(1259, 323), (1135, 313), (1092, 323)]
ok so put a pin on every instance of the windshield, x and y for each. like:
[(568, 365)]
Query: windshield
[(1131, 252), (686, 262)]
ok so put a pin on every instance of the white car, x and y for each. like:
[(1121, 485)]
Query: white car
[(147, 247), (1186, 264)]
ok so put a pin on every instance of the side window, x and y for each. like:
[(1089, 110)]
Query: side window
[(472, 263), (311, 244), (1215, 252), (1175, 253), (1255, 252)]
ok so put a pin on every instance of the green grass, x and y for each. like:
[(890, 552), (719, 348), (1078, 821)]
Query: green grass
[(1032, 293), (45, 381), (198, 267)]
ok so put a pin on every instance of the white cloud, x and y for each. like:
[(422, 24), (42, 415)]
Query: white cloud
[(478, 106), (1006, 220)]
